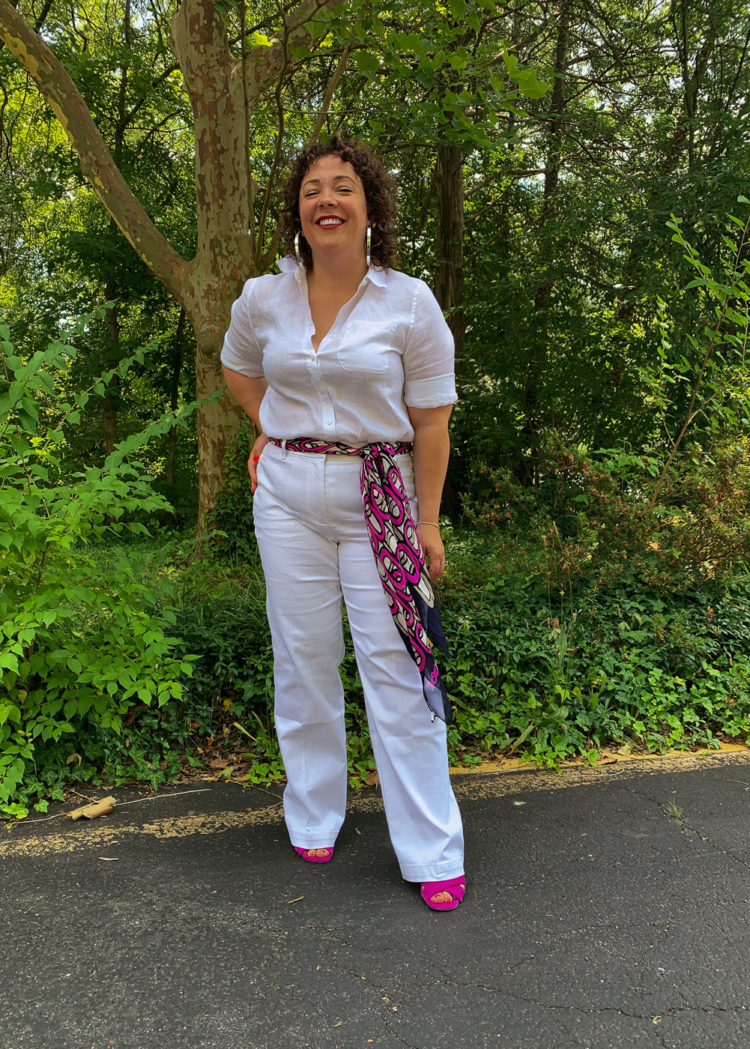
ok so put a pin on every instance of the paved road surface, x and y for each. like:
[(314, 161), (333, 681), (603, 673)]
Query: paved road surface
[(606, 908)]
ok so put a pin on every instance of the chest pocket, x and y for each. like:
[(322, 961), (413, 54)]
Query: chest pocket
[(365, 347)]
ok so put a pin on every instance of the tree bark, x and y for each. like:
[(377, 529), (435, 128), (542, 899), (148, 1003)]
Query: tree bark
[(222, 94), (223, 261), (449, 239)]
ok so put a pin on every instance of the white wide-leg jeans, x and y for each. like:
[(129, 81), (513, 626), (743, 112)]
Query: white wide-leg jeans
[(315, 549)]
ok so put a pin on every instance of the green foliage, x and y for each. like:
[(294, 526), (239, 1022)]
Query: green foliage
[(448, 56), (231, 520), (79, 645), (600, 440), (592, 517), (545, 665), (550, 674)]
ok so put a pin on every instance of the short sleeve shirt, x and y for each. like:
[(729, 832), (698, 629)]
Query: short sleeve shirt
[(388, 348)]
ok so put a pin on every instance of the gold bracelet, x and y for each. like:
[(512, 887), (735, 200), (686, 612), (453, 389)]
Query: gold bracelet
[(433, 523)]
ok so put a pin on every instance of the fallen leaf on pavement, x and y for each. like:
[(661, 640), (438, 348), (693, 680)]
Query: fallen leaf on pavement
[(90, 812), (607, 758)]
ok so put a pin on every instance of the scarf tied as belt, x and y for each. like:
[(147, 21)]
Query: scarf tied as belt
[(398, 555)]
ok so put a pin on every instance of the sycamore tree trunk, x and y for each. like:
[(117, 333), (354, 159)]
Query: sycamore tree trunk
[(223, 93), (223, 260)]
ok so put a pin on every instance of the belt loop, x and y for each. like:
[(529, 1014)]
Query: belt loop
[(284, 452)]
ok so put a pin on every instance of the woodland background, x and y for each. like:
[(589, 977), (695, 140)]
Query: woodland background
[(573, 184)]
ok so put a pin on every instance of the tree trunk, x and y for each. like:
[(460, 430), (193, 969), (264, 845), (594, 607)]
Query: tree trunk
[(449, 239), (539, 332), (223, 94), (224, 257)]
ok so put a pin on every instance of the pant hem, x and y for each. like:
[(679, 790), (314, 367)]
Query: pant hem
[(325, 841), (433, 873)]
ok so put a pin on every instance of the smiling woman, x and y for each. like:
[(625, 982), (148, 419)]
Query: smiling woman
[(333, 211), (377, 185), (346, 367)]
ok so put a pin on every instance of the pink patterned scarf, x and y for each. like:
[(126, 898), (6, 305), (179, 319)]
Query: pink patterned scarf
[(398, 555)]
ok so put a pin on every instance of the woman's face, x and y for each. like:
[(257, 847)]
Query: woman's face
[(333, 209)]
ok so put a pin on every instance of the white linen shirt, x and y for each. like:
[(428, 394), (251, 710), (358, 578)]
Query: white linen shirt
[(389, 347)]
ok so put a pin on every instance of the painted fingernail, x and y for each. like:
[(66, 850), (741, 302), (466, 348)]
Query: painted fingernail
[(256, 458)]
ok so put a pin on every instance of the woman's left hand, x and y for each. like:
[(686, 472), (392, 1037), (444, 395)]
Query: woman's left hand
[(434, 551)]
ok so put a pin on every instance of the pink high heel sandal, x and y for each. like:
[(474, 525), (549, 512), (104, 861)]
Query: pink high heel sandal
[(305, 854), (455, 886)]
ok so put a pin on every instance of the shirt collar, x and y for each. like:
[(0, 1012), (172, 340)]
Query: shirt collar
[(375, 275), (287, 264)]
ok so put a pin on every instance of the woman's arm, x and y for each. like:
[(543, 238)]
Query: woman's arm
[(431, 451), (249, 392)]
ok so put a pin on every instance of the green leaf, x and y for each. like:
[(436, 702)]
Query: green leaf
[(367, 62), (259, 39)]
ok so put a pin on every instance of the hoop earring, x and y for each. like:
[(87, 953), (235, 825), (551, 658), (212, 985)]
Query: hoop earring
[(297, 255), (368, 244)]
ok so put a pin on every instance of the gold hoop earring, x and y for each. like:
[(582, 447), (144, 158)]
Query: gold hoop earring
[(368, 244)]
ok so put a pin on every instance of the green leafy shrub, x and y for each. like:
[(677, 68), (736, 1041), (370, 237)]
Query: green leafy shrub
[(79, 646), (592, 518), (230, 525), (542, 672), (550, 673)]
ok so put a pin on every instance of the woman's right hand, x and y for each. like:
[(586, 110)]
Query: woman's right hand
[(252, 462)]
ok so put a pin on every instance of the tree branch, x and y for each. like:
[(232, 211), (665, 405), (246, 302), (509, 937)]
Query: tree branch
[(328, 97), (65, 100), (264, 64)]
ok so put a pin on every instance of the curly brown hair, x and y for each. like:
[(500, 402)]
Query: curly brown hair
[(380, 195)]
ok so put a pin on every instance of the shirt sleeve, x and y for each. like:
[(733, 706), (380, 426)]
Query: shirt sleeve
[(240, 352), (429, 380)]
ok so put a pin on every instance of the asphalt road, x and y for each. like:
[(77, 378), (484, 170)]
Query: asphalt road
[(605, 908)]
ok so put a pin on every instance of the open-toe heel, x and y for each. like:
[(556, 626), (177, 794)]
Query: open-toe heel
[(305, 853), (455, 887)]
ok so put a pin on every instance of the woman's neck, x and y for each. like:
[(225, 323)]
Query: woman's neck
[(335, 275)]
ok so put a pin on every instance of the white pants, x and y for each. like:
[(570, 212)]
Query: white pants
[(314, 547)]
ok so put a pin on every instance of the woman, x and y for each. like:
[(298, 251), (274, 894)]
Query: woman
[(343, 364)]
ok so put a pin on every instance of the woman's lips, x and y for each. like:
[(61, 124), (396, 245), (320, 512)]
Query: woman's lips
[(329, 221)]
